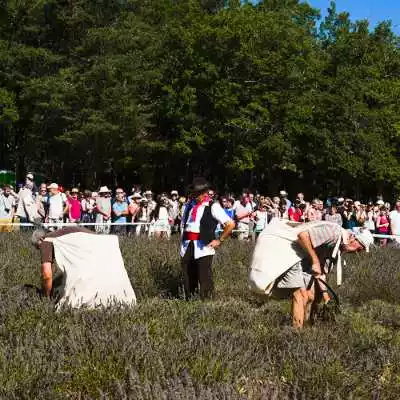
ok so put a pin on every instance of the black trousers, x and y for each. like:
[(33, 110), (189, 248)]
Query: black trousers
[(197, 272)]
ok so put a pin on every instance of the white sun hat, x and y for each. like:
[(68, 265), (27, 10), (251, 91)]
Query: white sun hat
[(364, 236), (53, 186), (104, 189)]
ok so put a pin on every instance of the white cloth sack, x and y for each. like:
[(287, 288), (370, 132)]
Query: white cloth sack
[(275, 252), (94, 272)]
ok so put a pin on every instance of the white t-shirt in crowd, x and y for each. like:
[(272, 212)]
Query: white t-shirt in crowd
[(57, 205), (163, 215), (7, 203), (25, 201), (395, 222), (261, 220)]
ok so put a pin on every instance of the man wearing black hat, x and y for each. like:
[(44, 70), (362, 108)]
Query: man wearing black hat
[(199, 222)]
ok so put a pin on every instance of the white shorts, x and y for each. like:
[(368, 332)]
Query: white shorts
[(298, 276)]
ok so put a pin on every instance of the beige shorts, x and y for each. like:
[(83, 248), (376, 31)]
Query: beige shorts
[(299, 276)]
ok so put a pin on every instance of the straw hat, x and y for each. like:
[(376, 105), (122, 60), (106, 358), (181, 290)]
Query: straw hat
[(104, 189)]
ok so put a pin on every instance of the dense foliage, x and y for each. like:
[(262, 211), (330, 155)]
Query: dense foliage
[(153, 92), (235, 347)]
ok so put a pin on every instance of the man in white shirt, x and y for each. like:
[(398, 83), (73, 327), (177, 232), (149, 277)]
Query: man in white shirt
[(244, 212), (394, 217), (151, 204), (57, 206), (26, 208), (7, 209), (199, 222)]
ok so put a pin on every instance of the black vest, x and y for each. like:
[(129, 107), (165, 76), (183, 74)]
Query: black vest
[(208, 224)]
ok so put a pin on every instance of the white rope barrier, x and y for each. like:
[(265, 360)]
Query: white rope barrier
[(378, 236), (95, 224), (63, 224), (101, 224)]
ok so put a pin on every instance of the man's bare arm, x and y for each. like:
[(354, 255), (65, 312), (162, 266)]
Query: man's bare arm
[(305, 241), (47, 278), (228, 228)]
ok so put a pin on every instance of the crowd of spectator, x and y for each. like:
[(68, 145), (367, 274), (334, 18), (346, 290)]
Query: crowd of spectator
[(109, 211)]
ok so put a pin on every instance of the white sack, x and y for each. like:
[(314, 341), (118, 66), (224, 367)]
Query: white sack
[(275, 252), (94, 272)]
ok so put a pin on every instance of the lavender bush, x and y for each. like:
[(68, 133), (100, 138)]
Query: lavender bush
[(235, 347)]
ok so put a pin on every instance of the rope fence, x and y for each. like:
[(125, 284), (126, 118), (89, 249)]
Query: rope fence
[(98, 224)]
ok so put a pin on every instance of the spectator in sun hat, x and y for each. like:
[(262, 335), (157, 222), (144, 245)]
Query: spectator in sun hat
[(103, 210), (57, 206), (148, 195), (284, 197), (134, 206)]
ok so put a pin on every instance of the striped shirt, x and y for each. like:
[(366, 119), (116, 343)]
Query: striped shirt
[(324, 233)]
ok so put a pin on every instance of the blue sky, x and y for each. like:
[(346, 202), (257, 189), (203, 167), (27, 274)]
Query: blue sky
[(373, 10)]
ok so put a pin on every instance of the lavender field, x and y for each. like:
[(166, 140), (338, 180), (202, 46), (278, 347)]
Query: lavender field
[(238, 346)]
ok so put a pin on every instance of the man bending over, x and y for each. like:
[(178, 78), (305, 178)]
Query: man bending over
[(318, 241)]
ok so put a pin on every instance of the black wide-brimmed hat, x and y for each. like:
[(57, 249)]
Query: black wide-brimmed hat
[(199, 185)]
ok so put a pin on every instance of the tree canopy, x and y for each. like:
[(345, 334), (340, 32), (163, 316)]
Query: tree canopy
[(154, 92)]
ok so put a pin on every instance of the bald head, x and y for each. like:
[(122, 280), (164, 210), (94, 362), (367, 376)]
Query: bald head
[(37, 237)]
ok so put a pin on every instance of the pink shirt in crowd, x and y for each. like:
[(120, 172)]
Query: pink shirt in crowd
[(75, 209), (383, 219)]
